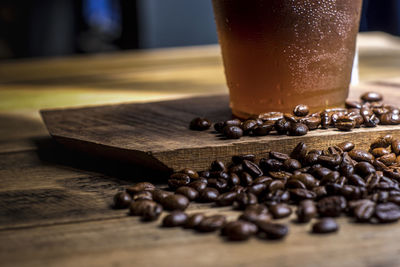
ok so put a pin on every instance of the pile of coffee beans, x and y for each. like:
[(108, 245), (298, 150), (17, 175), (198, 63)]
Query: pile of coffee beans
[(370, 111), (316, 185)]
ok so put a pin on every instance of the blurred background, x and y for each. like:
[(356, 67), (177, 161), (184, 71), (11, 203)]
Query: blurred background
[(46, 28)]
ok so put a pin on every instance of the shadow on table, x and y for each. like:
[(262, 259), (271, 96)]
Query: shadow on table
[(51, 152)]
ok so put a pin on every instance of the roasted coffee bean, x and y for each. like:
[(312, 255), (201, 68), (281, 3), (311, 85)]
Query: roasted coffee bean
[(341, 180), (239, 159), (238, 168), (239, 230), (290, 118), (280, 210), (388, 159), (188, 192), (219, 126), (307, 179), (244, 199), (220, 184), (139, 187), (330, 161), (275, 185), (194, 220), (278, 196), (295, 184), (331, 206), (122, 200), (301, 110), (395, 145), (324, 226), (159, 195), (362, 209), (226, 199), (291, 164), (356, 180), (270, 165), (174, 219), (282, 126), (262, 130), (233, 132), (217, 166), (262, 180), (219, 174), (364, 168), (330, 178), (248, 126), (299, 152), (271, 116), (233, 122), (278, 155), (152, 212), (371, 97), (299, 194), (320, 191), (211, 223), (209, 194), (383, 141), (353, 104), (387, 212), (312, 122), (325, 120), (272, 230), (198, 185), (379, 152), (257, 189), (319, 172), (237, 189), (200, 124), (138, 208), (370, 121), (346, 146), (298, 129), (246, 179), (252, 168), (191, 173), (361, 155), (345, 124), (143, 195), (233, 179), (175, 202), (254, 213), (178, 179), (306, 211)]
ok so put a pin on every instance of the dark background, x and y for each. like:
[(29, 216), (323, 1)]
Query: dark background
[(43, 28)]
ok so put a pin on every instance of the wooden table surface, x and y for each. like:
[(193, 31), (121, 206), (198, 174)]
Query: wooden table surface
[(55, 205)]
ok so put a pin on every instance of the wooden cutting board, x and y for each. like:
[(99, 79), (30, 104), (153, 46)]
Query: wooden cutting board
[(156, 135)]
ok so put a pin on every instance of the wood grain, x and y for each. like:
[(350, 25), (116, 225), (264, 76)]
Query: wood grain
[(157, 135)]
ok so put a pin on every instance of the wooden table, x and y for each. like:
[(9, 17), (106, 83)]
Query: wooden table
[(55, 205)]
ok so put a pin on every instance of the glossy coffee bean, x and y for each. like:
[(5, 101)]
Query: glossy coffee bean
[(139, 187), (301, 110), (152, 212), (178, 179), (188, 192), (175, 202), (306, 211), (387, 212), (174, 219), (233, 132), (122, 200), (346, 146), (143, 195), (209, 194), (138, 208), (226, 199), (272, 230), (239, 230), (371, 97), (280, 210), (331, 206), (211, 223), (256, 212), (244, 199), (200, 124), (194, 220), (324, 226), (298, 129), (159, 195)]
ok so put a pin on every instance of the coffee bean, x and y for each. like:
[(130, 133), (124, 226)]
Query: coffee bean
[(272, 230), (361, 155), (388, 159), (246, 179), (371, 97), (262, 180), (257, 189), (395, 145), (298, 129), (194, 220), (301, 110), (387, 212), (324, 226), (143, 195), (331, 206), (278, 155), (356, 180), (175, 202), (346, 146), (306, 211), (174, 219), (219, 126), (244, 199), (364, 168), (270, 165), (233, 179), (209, 194), (220, 184), (345, 124), (371, 121), (280, 210), (217, 166), (200, 124), (248, 126), (363, 210), (252, 168), (271, 116), (152, 212), (312, 122), (239, 230), (211, 223), (188, 192), (330, 178), (233, 132), (299, 152), (379, 152), (178, 179), (226, 199), (383, 141), (291, 164), (122, 200), (256, 212), (191, 173), (299, 194), (239, 159), (139, 187), (330, 161), (353, 104), (319, 172), (262, 130), (198, 185), (307, 179), (138, 208), (319, 191), (159, 195), (282, 126)]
